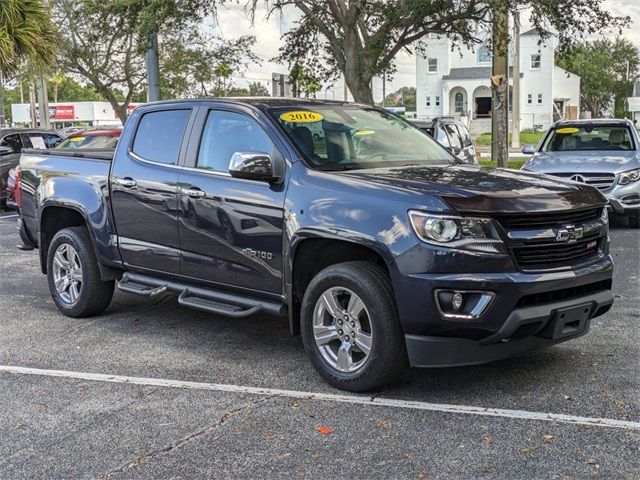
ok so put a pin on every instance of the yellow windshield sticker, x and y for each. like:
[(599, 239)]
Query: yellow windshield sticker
[(364, 132), (77, 139), (567, 130), (301, 117)]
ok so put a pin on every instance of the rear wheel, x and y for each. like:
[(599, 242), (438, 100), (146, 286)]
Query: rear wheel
[(350, 328), (74, 277)]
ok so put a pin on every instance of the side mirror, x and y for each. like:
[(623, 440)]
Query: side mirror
[(529, 149), (253, 166), (4, 151)]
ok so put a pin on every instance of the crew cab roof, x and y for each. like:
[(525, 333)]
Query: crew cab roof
[(261, 103)]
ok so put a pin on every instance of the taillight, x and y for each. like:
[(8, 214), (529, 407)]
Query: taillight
[(17, 189)]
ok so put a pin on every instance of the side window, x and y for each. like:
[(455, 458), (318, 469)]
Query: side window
[(159, 135), (226, 133), (52, 140), (464, 135), (454, 136), (12, 141), (442, 138), (36, 140)]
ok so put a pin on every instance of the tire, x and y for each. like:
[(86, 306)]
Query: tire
[(376, 326), (634, 221), (89, 295)]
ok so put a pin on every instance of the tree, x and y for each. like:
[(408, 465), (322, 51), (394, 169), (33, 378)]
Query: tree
[(403, 96), (360, 39), (102, 47), (26, 34), (302, 82), (196, 64), (27, 37), (256, 89), (602, 66)]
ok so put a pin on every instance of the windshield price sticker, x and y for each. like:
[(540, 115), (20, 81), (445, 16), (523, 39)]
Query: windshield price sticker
[(568, 130), (361, 133), (301, 117)]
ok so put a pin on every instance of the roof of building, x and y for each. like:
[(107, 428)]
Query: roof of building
[(530, 33), (471, 73)]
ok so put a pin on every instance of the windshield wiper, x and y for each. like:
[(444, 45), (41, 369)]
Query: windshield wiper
[(332, 167)]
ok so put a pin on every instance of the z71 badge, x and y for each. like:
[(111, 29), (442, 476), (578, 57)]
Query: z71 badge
[(250, 252)]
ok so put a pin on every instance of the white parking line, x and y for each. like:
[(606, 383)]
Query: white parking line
[(330, 397), (4, 217)]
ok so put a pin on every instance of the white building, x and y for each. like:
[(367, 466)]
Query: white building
[(456, 83), (69, 113), (633, 104)]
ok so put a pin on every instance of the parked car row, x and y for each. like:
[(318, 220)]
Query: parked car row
[(14, 141)]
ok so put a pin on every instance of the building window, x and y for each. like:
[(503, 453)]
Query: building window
[(535, 61), (437, 101), (484, 54), (432, 65), (428, 101), (458, 101), (539, 99), (529, 99)]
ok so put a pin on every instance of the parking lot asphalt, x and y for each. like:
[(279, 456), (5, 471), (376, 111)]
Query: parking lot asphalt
[(77, 426)]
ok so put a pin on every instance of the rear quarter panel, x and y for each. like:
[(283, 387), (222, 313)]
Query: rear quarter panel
[(79, 184)]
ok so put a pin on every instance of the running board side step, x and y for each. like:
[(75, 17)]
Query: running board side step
[(214, 301)]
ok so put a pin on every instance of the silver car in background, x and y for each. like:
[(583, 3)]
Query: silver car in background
[(604, 153)]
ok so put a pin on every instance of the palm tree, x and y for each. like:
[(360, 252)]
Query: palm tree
[(26, 34)]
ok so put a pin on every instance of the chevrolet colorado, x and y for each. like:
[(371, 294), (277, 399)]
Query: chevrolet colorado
[(382, 250)]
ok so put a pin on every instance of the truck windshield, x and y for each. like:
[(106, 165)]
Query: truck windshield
[(571, 138), (350, 137)]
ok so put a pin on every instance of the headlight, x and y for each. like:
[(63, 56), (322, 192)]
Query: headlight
[(476, 234), (629, 176)]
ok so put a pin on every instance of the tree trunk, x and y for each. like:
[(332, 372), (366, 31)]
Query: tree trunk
[(121, 110), (360, 87)]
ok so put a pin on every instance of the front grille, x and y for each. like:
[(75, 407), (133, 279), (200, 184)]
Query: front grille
[(563, 294), (548, 220), (551, 255), (602, 181), (534, 244)]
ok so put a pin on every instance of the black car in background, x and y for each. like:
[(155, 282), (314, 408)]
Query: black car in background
[(451, 134), (12, 142)]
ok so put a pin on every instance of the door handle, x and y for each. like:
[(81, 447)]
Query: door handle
[(126, 182), (193, 192)]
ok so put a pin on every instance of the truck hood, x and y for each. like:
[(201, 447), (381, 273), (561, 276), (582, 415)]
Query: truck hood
[(574, 162), (468, 188)]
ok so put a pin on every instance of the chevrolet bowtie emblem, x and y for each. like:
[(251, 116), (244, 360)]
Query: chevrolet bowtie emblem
[(569, 233)]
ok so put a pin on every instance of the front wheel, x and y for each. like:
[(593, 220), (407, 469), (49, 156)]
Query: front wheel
[(350, 327), (74, 277)]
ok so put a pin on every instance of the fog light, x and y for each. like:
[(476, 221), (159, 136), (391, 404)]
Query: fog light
[(462, 305), (456, 301)]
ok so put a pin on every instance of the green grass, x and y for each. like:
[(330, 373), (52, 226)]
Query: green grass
[(526, 136), (514, 163)]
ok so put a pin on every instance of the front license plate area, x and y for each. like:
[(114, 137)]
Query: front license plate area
[(571, 321)]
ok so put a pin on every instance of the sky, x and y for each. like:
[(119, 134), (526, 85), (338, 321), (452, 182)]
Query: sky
[(233, 22)]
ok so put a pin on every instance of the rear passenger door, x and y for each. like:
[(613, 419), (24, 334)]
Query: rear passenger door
[(231, 229), (144, 182)]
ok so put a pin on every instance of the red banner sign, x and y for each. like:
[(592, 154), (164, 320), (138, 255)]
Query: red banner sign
[(62, 112)]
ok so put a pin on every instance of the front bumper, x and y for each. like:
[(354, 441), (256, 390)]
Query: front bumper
[(624, 199), (525, 329)]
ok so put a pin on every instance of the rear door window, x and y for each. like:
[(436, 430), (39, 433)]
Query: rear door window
[(464, 135), (159, 135), (36, 140), (454, 136), (12, 141)]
